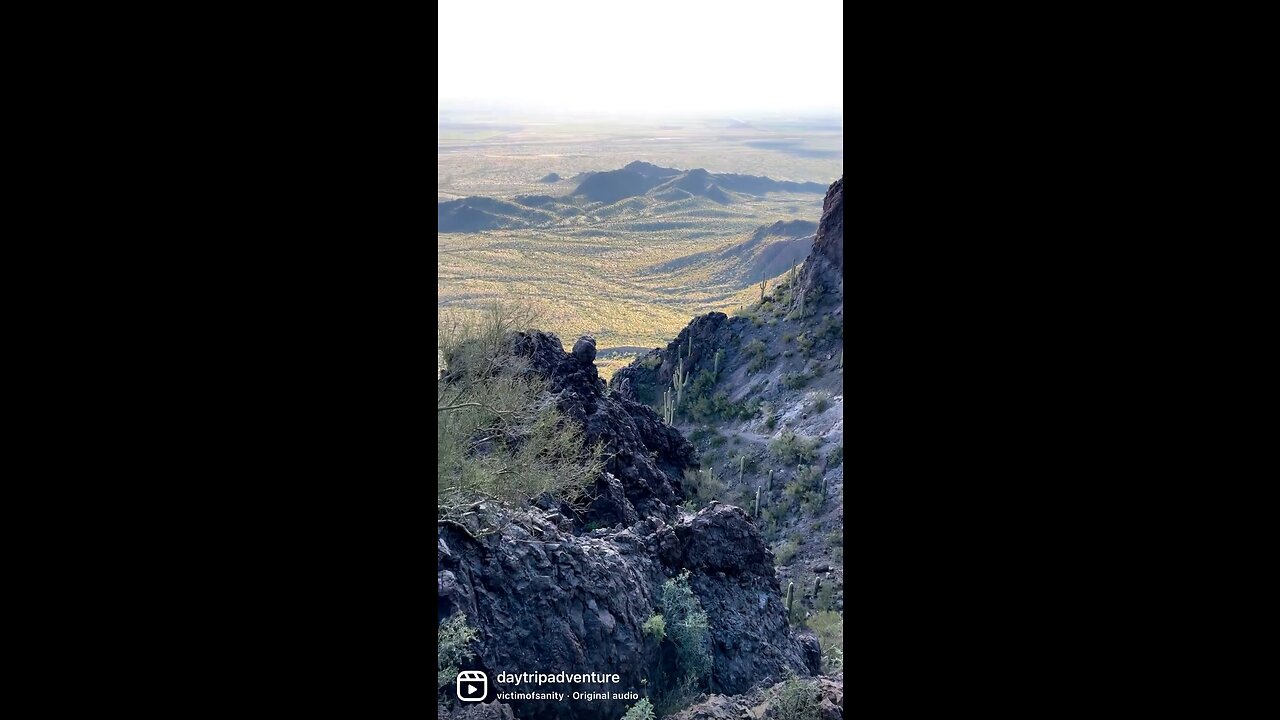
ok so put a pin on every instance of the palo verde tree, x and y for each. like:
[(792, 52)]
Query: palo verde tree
[(499, 433)]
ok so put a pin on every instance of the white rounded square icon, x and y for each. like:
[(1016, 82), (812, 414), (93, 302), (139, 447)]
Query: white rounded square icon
[(473, 686)]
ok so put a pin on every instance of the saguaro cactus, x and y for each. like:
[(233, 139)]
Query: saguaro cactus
[(716, 370), (763, 282), (757, 513), (668, 408), (791, 596), (817, 583), (680, 380), (770, 486), (742, 466)]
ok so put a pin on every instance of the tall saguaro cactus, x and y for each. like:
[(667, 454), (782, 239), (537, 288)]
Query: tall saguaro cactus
[(757, 512), (742, 466), (668, 408), (680, 380), (791, 597)]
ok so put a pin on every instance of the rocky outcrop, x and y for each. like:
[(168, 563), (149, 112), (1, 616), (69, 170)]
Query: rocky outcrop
[(646, 457), (823, 271), (646, 378), (544, 600), (585, 349)]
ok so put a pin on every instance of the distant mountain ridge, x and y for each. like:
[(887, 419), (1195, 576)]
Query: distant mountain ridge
[(656, 188), (639, 178)]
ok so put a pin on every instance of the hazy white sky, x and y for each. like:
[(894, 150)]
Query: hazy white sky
[(650, 56)]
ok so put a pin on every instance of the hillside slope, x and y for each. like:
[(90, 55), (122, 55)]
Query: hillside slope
[(763, 402)]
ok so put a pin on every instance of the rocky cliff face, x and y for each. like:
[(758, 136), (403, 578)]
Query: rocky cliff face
[(646, 457), (544, 600), (822, 274), (645, 379)]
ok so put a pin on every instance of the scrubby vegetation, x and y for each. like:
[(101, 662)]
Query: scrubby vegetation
[(756, 349), (655, 626), (453, 636), (688, 633), (797, 700), (828, 625), (498, 434), (787, 552), (703, 486), (792, 449), (819, 400), (795, 381), (770, 416), (642, 710)]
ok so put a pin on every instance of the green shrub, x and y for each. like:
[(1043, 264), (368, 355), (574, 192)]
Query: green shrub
[(767, 412), (828, 625), (797, 700), (830, 327), (497, 435), (703, 486), (655, 626), (809, 477), (454, 634), (795, 381), (756, 349), (792, 449), (826, 597), (642, 710), (787, 552), (820, 400), (836, 457), (805, 343), (687, 627), (770, 528), (651, 361)]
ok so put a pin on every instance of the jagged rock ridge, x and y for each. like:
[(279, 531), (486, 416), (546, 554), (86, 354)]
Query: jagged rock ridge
[(544, 599)]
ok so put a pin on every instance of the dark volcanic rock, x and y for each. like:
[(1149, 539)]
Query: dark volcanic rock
[(823, 271), (545, 600), (710, 332), (550, 178), (585, 349), (646, 457)]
